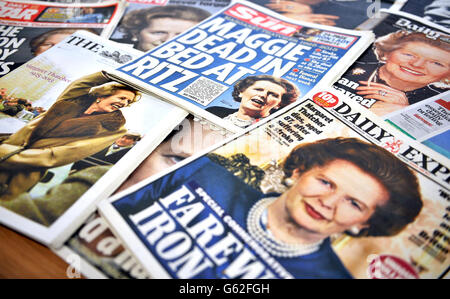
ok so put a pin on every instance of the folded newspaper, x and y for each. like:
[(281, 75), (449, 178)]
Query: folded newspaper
[(93, 250), (324, 190), (405, 77), (27, 29), (243, 64), (70, 136)]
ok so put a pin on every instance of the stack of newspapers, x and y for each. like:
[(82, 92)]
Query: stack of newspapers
[(218, 139)]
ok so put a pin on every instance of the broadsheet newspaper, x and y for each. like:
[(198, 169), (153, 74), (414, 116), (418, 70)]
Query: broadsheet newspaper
[(29, 28), (243, 64), (404, 78), (97, 252), (65, 128), (324, 190)]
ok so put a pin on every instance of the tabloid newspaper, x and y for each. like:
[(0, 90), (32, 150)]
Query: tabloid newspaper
[(148, 23), (208, 68), (404, 78), (93, 250), (323, 190), (70, 136), (29, 28)]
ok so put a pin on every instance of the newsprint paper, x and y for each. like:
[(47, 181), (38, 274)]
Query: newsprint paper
[(66, 128), (27, 29), (93, 250), (207, 69), (324, 190)]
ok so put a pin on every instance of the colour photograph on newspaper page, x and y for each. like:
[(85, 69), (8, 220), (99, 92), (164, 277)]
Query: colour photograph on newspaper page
[(27, 29), (323, 190), (243, 64), (408, 64), (102, 254), (63, 124), (147, 24)]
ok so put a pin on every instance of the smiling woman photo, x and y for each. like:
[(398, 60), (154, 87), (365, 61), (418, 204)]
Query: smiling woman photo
[(333, 186), (259, 96), (336, 185), (412, 67)]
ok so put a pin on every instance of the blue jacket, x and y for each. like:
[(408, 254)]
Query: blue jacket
[(235, 198)]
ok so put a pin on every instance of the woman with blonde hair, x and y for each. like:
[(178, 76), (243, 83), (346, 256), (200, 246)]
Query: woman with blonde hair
[(412, 67), (85, 119), (333, 186)]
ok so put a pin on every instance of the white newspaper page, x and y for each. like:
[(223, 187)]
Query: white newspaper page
[(71, 136), (27, 29), (101, 253)]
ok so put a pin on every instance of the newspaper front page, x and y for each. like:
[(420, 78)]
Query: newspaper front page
[(427, 121), (99, 252), (71, 136), (323, 190), (27, 29), (241, 65), (405, 71)]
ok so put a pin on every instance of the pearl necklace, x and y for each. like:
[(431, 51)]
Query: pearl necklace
[(242, 123), (257, 227)]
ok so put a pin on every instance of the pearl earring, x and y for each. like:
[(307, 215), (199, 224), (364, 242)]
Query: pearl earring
[(289, 182), (354, 230)]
